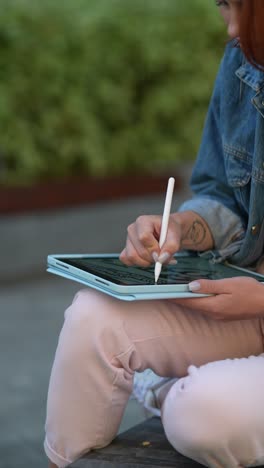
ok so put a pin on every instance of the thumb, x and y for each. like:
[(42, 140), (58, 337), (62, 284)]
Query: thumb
[(208, 286)]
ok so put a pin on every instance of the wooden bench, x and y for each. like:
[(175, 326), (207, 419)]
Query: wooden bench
[(144, 445)]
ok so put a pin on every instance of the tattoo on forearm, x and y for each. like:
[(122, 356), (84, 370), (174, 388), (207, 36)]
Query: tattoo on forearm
[(196, 234)]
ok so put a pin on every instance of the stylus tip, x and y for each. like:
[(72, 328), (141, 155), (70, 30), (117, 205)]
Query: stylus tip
[(157, 271)]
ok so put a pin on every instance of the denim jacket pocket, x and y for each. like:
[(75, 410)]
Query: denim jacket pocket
[(238, 166)]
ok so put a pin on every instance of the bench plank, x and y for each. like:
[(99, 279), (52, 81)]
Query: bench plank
[(144, 445)]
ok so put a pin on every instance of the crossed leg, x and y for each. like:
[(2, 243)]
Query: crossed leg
[(104, 341)]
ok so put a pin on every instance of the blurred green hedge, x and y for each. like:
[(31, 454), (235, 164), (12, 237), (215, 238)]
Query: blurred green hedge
[(103, 86)]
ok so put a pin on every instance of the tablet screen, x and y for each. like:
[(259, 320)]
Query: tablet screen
[(186, 270)]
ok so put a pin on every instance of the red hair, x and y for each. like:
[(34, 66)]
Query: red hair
[(251, 31)]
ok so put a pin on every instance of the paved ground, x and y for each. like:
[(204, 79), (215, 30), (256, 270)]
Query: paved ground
[(32, 305)]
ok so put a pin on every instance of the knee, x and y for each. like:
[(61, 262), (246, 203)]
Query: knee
[(91, 312), (90, 321), (197, 415), (94, 329)]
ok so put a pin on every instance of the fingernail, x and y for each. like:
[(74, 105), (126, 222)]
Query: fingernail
[(173, 261), (164, 257), (155, 256), (194, 286)]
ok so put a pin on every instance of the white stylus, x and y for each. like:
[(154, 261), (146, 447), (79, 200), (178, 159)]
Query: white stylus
[(164, 223)]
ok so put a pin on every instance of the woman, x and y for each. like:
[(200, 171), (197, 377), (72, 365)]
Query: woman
[(213, 413)]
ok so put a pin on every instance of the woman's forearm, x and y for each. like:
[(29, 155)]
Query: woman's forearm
[(196, 234)]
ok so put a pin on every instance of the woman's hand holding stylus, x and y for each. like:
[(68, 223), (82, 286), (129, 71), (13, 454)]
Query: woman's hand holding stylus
[(142, 243), (186, 230)]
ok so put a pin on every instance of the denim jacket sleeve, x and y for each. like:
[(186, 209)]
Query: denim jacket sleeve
[(214, 199)]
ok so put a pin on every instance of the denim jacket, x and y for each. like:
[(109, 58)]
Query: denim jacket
[(228, 176)]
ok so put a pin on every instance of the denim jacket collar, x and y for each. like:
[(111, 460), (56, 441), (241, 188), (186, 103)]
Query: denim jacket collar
[(251, 76)]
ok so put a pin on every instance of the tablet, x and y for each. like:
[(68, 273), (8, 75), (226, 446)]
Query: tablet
[(106, 273)]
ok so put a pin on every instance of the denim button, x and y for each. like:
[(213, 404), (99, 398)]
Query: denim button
[(255, 229)]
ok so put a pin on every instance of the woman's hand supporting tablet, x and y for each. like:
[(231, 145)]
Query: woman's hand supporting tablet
[(239, 298), (186, 230)]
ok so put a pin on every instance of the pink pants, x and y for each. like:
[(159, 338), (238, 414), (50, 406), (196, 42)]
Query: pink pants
[(214, 413)]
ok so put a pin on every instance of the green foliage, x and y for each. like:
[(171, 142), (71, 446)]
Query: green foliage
[(103, 86)]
